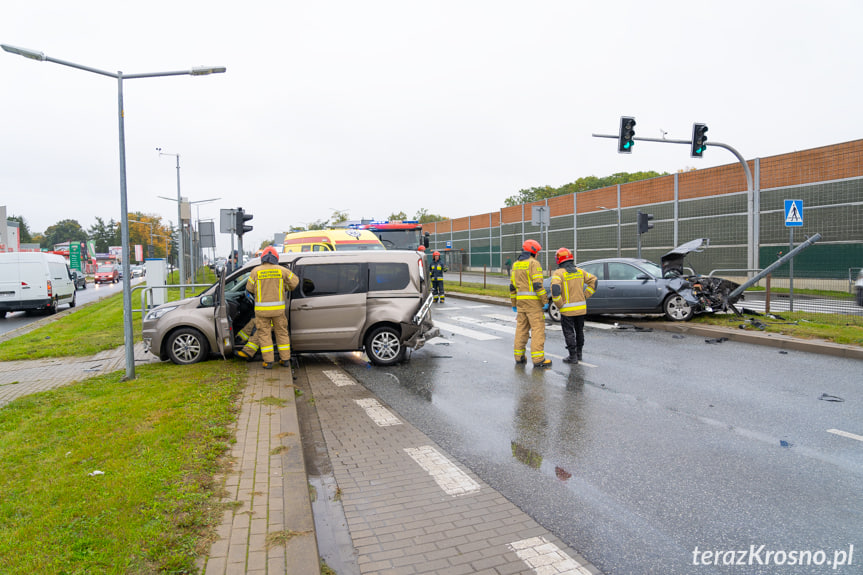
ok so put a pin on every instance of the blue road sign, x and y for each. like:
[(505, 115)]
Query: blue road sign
[(793, 213)]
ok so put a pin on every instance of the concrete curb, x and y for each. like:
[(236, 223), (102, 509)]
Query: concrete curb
[(756, 338)]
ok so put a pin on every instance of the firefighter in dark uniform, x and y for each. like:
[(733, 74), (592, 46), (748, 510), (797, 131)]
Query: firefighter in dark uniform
[(269, 283), (529, 300), (436, 270), (570, 288)]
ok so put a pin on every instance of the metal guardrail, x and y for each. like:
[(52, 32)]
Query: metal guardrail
[(710, 275), (145, 290)]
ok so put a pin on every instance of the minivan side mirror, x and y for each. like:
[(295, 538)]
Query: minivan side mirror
[(208, 301)]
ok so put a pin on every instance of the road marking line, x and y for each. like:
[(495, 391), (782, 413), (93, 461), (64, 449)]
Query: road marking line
[(379, 414), (338, 378), (544, 557), (486, 324), (450, 478), (464, 331), (846, 434)]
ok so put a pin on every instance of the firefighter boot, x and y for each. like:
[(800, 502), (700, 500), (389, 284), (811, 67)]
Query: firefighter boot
[(242, 355), (543, 365), (578, 353), (285, 362), (521, 361), (573, 358), (268, 365)]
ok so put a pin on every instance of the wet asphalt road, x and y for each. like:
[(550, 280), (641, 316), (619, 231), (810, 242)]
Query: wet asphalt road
[(661, 444)]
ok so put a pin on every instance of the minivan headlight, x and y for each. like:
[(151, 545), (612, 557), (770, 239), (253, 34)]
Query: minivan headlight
[(159, 312)]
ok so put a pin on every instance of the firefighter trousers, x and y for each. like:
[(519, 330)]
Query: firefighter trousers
[(437, 289), (573, 332), (263, 338), (530, 325)]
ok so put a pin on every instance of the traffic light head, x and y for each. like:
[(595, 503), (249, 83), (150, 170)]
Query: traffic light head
[(626, 135), (240, 226), (699, 139), (644, 222)]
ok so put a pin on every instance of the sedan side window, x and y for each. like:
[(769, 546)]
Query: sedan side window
[(621, 271), (595, 269)]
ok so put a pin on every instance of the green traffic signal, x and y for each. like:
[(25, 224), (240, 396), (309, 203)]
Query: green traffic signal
[(699, 140)]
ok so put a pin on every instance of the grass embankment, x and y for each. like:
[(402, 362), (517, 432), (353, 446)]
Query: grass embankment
[(157, 439), (92, 328), (835, 328)]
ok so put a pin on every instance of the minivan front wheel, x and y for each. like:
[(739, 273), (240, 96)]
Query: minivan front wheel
[(187, 346), (384, 347)]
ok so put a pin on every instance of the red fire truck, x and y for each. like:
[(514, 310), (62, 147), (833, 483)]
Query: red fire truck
[(397, 235)]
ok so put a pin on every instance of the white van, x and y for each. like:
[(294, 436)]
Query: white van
[(34, 281)]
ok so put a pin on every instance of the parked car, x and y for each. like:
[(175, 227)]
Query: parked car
[(79, 279), (631, 285), (107, 274), (137, 271), (31, 281), (377, 301)]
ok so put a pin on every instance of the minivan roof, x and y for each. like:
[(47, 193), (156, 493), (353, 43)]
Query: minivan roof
[(370, 256)]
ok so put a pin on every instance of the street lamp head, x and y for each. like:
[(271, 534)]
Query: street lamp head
[(32, 54), (203, 71)]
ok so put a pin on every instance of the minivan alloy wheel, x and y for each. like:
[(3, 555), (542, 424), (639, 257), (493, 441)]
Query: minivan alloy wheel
[(384, 347)]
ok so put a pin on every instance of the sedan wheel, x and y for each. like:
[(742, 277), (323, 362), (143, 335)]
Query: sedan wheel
[(676, 308), (187, 345), (553, 312), (384, 347)]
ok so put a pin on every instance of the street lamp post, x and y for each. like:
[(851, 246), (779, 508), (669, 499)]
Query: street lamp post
[(127, 291), (181, 246)]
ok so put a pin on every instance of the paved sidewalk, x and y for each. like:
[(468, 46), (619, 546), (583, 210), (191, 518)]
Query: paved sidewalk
[(19, 378), (268, 528), (411, 508)]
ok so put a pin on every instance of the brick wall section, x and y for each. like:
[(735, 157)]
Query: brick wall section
[(817, 165), (713, 182), (511, 214), (591, 200), (560, 206), (460, 224), (480, 222), (650, 191)]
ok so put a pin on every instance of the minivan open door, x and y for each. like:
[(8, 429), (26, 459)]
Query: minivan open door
[(224, 332)]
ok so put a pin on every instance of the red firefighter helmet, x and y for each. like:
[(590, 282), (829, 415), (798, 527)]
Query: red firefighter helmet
[(435, 254), (421, 249), (531, 246), (563, 255), (270, 251)]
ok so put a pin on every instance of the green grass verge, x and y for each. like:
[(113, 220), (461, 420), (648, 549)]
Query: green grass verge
[(158, 439), (93, 328)]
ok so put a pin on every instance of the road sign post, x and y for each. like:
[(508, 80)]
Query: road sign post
[(793, 219)]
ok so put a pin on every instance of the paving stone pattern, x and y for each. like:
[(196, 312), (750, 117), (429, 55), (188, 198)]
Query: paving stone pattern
[(395, 484)]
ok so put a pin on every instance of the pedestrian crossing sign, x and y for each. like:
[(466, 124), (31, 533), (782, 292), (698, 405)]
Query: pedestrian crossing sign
[(793, 213)]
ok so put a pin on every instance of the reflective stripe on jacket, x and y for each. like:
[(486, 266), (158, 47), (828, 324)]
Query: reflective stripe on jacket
[(570, 288), (436, 270), (268, 283), (525, 288)]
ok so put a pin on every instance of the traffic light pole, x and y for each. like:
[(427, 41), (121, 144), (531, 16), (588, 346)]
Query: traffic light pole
[(752, 252)]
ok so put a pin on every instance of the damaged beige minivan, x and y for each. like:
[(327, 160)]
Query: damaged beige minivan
[(372, 301)]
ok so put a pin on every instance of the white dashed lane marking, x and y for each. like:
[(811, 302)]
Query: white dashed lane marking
[(450, 478), (847, 434), (473, 334), (378, 413), (544, 557), (338, 378)]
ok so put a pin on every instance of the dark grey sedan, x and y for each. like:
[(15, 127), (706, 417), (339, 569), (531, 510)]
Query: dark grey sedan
[(79, 279), (630, 285)]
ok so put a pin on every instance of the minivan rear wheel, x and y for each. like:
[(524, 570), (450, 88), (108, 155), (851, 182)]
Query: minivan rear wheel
[(187, 345), (384, 347)]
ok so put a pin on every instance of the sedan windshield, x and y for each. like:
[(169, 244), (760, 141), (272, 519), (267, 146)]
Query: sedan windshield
[(105, 269), (651, 268)]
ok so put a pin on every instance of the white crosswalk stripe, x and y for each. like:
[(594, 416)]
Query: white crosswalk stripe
[(465, 331)]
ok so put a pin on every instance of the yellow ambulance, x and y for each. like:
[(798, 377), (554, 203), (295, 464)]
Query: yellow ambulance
[(331, 240)]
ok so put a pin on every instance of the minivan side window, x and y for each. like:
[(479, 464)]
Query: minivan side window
[(385, 276), (332, 279)]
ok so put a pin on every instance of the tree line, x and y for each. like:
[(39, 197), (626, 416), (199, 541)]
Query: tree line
[(144, 229)]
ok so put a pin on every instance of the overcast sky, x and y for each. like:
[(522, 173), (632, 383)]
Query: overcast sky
[(376, 107)]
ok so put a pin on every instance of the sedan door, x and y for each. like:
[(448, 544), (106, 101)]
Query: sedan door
[(632, 290), (598, 302)]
